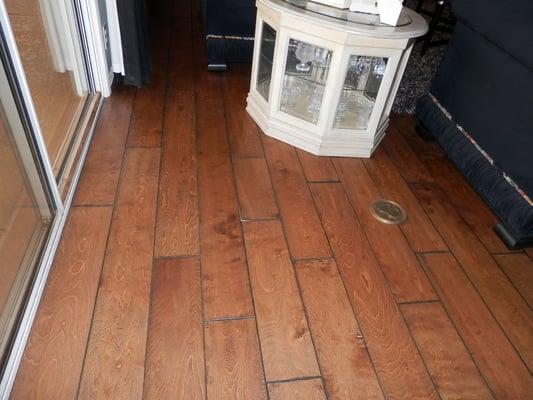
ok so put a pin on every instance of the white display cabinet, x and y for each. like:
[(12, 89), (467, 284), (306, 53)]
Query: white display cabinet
[(324, 79)]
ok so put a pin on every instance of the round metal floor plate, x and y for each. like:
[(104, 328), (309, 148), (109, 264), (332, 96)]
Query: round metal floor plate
[(388, 212)]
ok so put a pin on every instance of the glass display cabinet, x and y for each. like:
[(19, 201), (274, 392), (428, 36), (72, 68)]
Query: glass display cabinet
[(324, 79)]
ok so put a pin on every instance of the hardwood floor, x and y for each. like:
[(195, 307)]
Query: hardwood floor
[(204, 260)]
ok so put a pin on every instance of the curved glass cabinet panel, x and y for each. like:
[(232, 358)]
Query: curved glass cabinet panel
[(266, 59), (360, 90), (304, 81)]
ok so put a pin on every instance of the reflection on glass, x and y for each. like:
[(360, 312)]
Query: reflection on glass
[(361, 87), (23, 222), (266, 58), (306, 73), (51, 56)]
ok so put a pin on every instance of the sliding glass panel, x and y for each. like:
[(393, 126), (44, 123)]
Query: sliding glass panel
[(25, 214), (50, 50)]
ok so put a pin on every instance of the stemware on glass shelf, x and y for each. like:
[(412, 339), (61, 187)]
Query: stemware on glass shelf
[(306, 73)]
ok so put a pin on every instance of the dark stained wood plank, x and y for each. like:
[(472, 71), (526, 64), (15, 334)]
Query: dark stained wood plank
[(317, 169), (177, 227), (242, 130), (286, 345), (305, 235), (225, 275), (402, 375), (492, 284), (451, 367), (114, 366), (147, 119), (398, 262), (310, 389), (418, 229), (474, 211), (504, 371), (405, 159), (519, 269), (53, 359), (342, 355), (99, 178), (175, 353), (256, 196), (424, 149), (233, 361)]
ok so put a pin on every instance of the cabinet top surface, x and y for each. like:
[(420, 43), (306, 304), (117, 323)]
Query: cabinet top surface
[(410, 24)]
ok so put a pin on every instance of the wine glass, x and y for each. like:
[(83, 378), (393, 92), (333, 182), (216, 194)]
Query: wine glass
[(305, 54), (291, 90), (316, 100)]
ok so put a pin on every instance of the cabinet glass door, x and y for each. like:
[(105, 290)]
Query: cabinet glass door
[(266, 59), (360, 90), (304, 81), (25, 214)]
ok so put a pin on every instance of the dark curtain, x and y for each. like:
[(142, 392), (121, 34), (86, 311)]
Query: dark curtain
[(133, 18)]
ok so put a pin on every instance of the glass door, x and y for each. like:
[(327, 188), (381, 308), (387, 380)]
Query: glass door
[(50, 49), (25, 212)]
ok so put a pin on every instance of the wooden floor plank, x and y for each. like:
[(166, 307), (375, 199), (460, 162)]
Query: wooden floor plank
[(242, 130), (177, 227), (225, 275), (405, 159), (399, 366), (317, 169), (305, 235), (99, 178), (398, 262), (497, 360), (147, 119), (451, 367), (233, 361), (256, 196), (309, 389), (474, 211), (418, 229), (488, 278), (114, 366), (175, 353), (286, 345), (53, 359), (424, 149), (519, 269), (344, 361)]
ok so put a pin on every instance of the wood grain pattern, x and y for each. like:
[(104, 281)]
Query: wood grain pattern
[(317, 169), (233, 361), (402, 375), (256, 196), (242, 130), (177, 219), (305, 235), (451, 367), (225, 275), (418, 229), (175, 353), (147, 119), (490, 281), (398, 262), (310, 389), (114, 366), (504, 371), (53, 359), (405, 159), (474, 211), (424, 149), (344, 361), (286, 345), (99, 178), (519, 269)]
